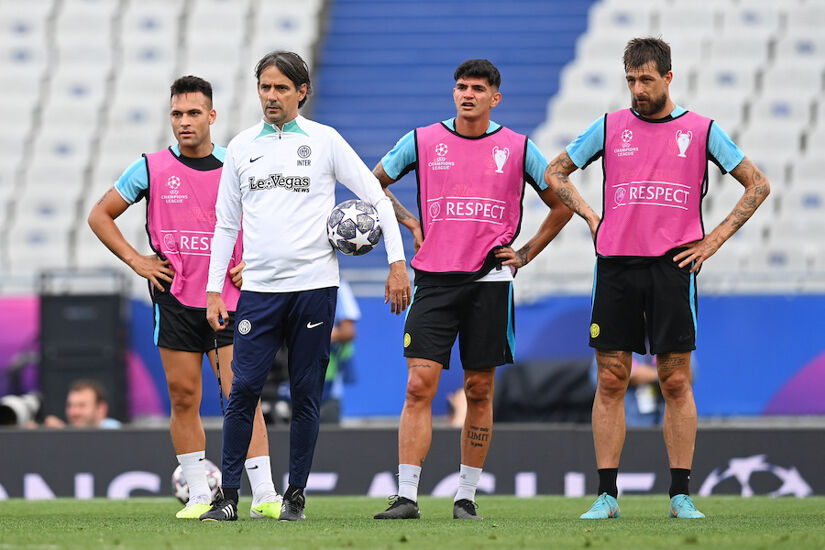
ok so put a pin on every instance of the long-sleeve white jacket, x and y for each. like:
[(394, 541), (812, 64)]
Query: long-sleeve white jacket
[(279, 186)]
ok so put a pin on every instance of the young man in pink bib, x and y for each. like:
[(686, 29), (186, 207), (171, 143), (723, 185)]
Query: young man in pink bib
[(650, 244), (471, 180), (180, 185)]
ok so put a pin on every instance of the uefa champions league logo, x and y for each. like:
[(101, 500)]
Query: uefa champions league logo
[(440, 162), (173, 183), (741, 470), (435, 210), (169, 241), (500, 156), (627, 135), (683, 140), (620, 195)]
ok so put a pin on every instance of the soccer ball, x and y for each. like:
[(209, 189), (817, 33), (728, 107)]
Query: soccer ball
[(181, 489), (353, 228)]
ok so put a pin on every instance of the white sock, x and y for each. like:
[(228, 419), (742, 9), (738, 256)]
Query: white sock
[(194, 472), (408, 476), (467, 483), (260, 479)]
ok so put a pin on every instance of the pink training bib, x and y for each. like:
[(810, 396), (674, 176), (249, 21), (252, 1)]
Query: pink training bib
[(470, 193), (181, 222), (654, 181)]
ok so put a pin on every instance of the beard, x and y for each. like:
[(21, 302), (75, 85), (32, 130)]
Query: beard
[(653, 106)]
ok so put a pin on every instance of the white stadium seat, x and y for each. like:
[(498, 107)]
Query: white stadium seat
[(742, 50), (151, 22), (778, 108), (805, 45), (691, 19), (762, 20), (31, 248), (765, 141), (809, 171), (688, 53), (158, 57), (621, 18), (808, 17), (22, 27), (804, 201), (598, 79), (798, 81), (728, 110), (815, 141)]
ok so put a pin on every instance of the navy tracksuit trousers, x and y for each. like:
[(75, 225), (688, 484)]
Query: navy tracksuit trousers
[(263, 321)]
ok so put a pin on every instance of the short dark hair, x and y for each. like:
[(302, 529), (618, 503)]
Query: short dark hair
[(641, 51), (291, 65), (191, 84), (479, 68), (94, 385)]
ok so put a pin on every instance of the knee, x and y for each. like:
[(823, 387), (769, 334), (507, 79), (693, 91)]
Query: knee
[(183, 397), (420, 391), (241, 388), (676, 386), (478, 391), (612, 383)]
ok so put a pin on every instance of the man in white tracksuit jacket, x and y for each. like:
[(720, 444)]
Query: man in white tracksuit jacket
[(278, 184)]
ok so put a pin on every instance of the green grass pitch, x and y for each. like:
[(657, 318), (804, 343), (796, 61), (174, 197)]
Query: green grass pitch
[(346, 522)]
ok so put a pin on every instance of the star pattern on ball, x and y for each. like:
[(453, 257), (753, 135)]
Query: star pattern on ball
[(353, 228)]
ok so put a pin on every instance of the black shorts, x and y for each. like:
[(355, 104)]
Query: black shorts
[(183, 328), (643, 296), (480, 314)]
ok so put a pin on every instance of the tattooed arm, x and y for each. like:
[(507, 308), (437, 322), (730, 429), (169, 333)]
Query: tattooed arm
[(559, 215), (404, 216), (556, 177), (102, 221), (757, 188)]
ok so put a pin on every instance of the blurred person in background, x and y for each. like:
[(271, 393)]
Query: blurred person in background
[(472, 174), (87, 406), (180, 185), (650, 244)]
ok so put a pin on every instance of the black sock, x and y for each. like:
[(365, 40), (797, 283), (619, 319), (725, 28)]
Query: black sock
[(292, 492), (607, 481), (679, 481), (230, 493)]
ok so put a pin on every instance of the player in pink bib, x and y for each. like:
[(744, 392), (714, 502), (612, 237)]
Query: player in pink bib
[(650, 243), (180, 185), (471, 179)]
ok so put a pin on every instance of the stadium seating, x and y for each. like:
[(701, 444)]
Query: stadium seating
[(80, 105)]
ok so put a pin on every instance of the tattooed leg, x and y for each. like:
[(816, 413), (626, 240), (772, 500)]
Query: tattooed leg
[(478, 425)]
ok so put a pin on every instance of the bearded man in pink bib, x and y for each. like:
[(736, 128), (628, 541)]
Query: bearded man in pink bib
[(650, 244), (471, 174)]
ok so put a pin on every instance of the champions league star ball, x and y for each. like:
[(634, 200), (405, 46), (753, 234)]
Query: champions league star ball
[(181, 489), (353, 228)]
